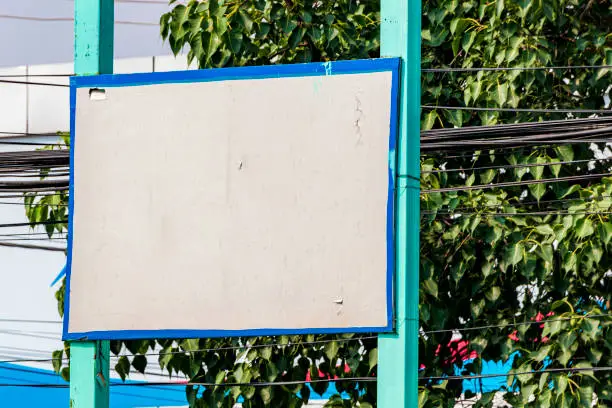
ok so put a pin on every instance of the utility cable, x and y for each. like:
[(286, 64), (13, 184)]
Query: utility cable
[(515, 183), (485, 69), (258, 346), (30, 321), (516, 110), (513, 374), (70, 19), (514, 166), (518, 214), (503, 326), (8, 81), (30, 246), (207, 384)]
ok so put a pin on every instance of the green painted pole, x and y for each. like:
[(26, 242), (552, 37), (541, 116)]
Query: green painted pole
[(400, 36), (93, 55)]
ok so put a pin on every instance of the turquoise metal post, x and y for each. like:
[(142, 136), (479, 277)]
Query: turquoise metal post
[(93, 55), (400, 36)]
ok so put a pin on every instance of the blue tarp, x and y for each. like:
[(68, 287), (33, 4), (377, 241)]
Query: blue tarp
[(126, 396), (134, 396)]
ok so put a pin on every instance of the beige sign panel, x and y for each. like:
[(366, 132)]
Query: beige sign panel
[(253, 201)]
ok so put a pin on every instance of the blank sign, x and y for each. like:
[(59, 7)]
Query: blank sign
[(232, 202)]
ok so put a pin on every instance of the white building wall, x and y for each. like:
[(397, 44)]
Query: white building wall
[(28, 273)]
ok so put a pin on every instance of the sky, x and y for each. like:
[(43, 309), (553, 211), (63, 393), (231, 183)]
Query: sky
[(46, 42)]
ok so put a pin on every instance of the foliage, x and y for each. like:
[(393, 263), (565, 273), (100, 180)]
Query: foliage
[(258, 32), (477, 269)]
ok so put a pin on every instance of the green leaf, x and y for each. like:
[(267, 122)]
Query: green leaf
[(605, 232), (430, 287), (266, 395), (594, 355), (566, 152), (373, 358), (501, 93), (235, 41), (544, 229), (220, 377), (561, 382), (537, 190), (584, 228), (429, 120), (455, 117), (266, 353), (65, 373), (499, 8), (457, 24), (331, 350), (585, 396), (487, 176), (123, 367), (527, 391), (477, 307), (545, 399), (556, 168), (210, 42), (538, 171), (246, 20), (139, 363), (540, 354), (543, 381), (468, 40), (475, 89), (514, 254), (470, 180), (57, 356), (423, 397), (493, 293), (191, 344), (288, 25)]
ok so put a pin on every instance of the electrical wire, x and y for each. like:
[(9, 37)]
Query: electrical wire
[(257, 346), (207, 384), (27, 234), (485, 69), (529, 203), (35, 204), (33, 360), (517, 110), (513, 374), (57, 134), (44, 194), (8, 81), (70, 19), (9, 143), (24, 334), (503, 326), (30, 246), (524, 214), (28, 224), (33, 239), (36, 75), (30, 321), (514, 166), (39, 174), (515, 183)]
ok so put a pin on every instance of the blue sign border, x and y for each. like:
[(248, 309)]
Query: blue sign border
[(228, 74)]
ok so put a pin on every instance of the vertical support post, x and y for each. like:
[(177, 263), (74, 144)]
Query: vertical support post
[(93, 36), (93, 55), (398, 352)]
